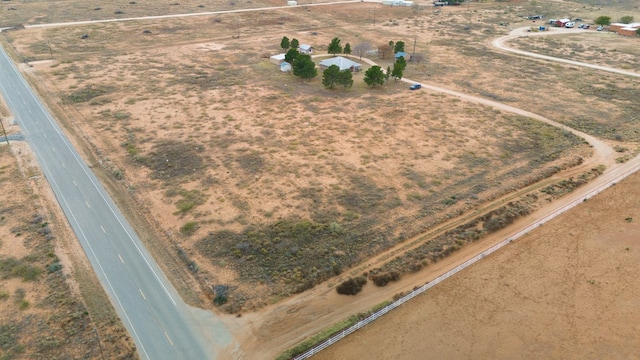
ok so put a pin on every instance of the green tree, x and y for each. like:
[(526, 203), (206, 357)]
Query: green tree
[(603, 20), (398, 68), (284, 44), (347, 49), (626, 19), (345, 78), (291, 55), (399, 47), (294, 44), (387, 74), (374, 76), (335, 47), (304, 67), (638, 32), (330, 76)]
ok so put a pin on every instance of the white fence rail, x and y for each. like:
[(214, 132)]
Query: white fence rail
[(342, 334)]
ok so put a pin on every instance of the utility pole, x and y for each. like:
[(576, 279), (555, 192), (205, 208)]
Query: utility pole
[(50, 52), (414, 47), (4, 132)]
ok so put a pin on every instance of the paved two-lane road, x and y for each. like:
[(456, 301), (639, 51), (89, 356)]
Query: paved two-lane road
[(161, 325)]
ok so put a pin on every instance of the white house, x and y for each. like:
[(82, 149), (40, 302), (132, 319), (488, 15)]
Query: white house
[(305, 49), (342, 63), (397, 2), (277, 59)]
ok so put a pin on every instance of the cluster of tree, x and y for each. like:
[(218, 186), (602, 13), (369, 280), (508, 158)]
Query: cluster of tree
[(301, 64), (390, 48), (335, 47), (333, 76), (376, 76)]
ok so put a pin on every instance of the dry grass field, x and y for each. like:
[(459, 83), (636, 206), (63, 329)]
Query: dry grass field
[(261, 185), (274, 195)]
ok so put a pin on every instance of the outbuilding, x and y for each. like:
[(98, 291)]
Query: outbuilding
[(397, 2), (285, 66), (277, 59), (305, 49), (400, 54), (562, 22)]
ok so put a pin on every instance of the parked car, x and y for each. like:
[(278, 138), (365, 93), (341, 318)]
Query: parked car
[(586, 26), (415, 87), (599, 28), (569, 24)]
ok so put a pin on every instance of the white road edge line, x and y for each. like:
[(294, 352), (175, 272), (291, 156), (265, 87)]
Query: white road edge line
[(168, 338), (66, 142), (115, 295)]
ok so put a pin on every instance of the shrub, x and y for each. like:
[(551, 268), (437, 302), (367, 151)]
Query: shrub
[(351, 286), (385, 278), (189, 228), (55, 267)]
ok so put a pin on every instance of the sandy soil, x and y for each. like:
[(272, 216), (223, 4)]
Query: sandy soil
[(566, 291)]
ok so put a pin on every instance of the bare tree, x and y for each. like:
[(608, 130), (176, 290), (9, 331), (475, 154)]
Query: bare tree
[(362, 48), (418, 58), (384, 50)]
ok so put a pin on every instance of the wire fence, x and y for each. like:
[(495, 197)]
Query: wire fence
[(342, 334)]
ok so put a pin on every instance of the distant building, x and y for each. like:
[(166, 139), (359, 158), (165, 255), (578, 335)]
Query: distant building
[(625, 29), (397, 2), (341, 62)]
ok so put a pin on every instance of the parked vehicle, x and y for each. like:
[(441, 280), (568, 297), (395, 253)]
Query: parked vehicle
[(415, 87), (599, 28), (586, 26), (569, 25)]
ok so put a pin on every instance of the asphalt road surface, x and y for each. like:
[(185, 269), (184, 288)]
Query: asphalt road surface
[(161, 325)]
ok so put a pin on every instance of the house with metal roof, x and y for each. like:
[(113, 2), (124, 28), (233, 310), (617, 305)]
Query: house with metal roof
[(341, 62), (403, 54), (625, 29), (305, 49)]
